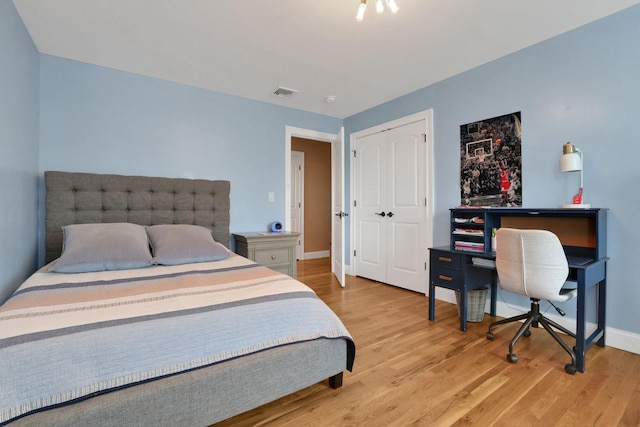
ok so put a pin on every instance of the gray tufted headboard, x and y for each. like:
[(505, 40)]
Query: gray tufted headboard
[(80, 198)]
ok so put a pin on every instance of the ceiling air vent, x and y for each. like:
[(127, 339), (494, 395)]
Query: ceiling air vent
[(284, 92)]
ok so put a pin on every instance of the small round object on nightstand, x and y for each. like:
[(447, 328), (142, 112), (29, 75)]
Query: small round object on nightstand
[(276, 227)]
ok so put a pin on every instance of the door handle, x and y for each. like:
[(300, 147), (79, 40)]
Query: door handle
[(381, 213), (390, 214)]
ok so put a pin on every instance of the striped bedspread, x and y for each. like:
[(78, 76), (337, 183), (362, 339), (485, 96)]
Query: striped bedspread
[(68, 336)]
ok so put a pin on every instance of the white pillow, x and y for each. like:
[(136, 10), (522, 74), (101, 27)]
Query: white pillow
[(98, 247), (174, 244)]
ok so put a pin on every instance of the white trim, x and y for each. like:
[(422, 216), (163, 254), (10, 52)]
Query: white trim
[(622, 340), (291, 132), (300, 246), (347, 269), (317, 254), (616, 338), (427, 116)]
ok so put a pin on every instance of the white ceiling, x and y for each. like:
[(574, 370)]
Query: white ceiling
[(250, 47)]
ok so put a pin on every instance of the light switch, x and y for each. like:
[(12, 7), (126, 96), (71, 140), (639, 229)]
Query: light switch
[(272, 196)]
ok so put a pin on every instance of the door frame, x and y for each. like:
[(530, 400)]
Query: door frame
[(300, 248), (291, 132), (427, 116)]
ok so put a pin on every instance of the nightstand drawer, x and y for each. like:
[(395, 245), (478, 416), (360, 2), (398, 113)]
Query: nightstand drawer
[(272, 256)]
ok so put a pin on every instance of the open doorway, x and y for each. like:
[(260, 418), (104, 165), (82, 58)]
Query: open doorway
[(311, 196), (336, 181)]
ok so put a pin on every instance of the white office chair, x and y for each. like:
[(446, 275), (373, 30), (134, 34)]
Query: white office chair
[(533, 263)]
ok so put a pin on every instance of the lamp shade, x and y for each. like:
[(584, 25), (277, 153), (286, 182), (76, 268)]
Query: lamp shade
[(571, 162), (571, 159)]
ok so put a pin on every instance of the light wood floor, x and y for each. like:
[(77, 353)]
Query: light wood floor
[(411, 371)]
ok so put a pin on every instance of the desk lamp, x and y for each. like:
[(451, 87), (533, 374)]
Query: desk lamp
[(571, 161)]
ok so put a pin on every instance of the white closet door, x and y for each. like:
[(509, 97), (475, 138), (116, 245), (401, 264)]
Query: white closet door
[(391, 212), (407, 228)]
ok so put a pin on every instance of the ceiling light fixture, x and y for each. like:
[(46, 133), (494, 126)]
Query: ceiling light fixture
[(391, 4)]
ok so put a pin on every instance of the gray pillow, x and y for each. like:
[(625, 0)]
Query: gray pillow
[(175, 244), (98, 247)]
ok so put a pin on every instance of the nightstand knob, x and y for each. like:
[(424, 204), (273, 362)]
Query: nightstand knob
[(273, 257)]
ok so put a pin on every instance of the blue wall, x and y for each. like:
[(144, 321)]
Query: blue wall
[(100, 120), (582, 87), (19, 100)]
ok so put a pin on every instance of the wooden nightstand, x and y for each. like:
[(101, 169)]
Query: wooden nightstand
[(274, 250)]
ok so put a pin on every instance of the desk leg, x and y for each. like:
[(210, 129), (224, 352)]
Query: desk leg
[(432, 300), (602, 304), (463, 309), (581, 322)]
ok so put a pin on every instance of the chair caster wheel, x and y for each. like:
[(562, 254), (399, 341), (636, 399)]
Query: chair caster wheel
[(527, 333), (512, 358), (570, 368), (489, 336)]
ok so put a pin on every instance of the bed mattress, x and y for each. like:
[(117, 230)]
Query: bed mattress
[(68, 337)]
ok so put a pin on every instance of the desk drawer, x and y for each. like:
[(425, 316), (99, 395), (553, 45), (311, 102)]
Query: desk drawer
[(272, 256), (445, 259), (447, 278)]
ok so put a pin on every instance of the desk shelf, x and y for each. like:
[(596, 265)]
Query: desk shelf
[(581, 231)]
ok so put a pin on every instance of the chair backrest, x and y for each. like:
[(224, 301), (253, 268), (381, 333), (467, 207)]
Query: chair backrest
[(531, 262)]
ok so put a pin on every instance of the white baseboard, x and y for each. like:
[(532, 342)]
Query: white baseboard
[(622, 340), (315, 255), (615, 338)]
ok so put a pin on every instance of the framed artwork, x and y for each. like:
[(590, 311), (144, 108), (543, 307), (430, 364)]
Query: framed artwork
[(491, 162)]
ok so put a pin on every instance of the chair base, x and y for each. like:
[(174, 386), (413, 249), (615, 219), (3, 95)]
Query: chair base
[(533, 318)]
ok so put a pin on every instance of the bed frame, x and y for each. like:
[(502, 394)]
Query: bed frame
[(198, 397), (81, 198)]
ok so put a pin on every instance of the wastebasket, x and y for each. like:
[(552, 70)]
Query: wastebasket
[(476, 299)]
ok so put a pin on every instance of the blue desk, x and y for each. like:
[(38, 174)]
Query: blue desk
[(455, 270), (582, 233)]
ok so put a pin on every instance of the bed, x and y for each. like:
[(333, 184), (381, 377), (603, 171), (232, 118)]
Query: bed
[(179, 338)]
